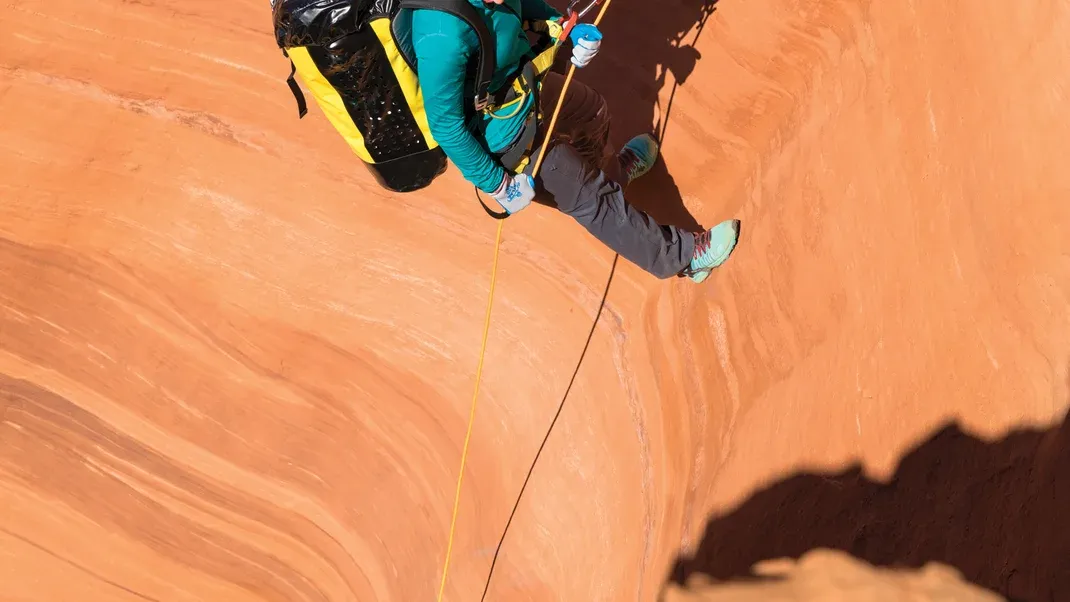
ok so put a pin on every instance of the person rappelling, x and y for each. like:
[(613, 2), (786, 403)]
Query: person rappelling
[(411, 84)]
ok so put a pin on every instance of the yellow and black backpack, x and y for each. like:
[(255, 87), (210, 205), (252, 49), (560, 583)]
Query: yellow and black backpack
[(349, 55)]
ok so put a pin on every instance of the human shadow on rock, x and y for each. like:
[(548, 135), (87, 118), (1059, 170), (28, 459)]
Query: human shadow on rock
[(997, 512), (644, 42)]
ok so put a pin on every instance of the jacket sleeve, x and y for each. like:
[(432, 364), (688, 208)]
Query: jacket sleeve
[(441, 59), (538, 9)]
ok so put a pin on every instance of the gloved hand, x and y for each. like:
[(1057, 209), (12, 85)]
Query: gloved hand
[(515, 192), (586, 40)]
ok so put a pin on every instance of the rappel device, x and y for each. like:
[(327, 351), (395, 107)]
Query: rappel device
[(573, 16)]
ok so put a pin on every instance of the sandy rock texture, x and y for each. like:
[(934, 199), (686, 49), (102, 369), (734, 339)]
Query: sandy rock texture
[(233, 368)]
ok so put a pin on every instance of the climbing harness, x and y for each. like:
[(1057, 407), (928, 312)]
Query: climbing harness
[(573, 16), (551, 35), (527, 82)]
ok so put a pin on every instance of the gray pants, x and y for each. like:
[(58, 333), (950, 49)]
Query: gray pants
[(584, 179)]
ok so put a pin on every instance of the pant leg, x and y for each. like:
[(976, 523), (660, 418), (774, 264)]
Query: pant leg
[(598, 204), (584, 122), (583, 177)]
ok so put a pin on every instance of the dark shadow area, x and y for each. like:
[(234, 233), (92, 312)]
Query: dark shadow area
[(996, 512), (645, 42)]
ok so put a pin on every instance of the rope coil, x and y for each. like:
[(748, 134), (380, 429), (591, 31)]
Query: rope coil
[(486, 323)]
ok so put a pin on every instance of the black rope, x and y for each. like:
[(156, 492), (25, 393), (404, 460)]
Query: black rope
[(707, 10), (553, 423)]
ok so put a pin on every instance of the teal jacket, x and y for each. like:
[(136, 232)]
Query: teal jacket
[(443, 46)]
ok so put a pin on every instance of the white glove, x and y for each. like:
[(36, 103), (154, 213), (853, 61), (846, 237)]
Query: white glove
[(515, 192), (586, 41)]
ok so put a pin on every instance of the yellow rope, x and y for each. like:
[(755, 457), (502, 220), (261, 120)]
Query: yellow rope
[(472, 411), (486, 324), (561, 100)]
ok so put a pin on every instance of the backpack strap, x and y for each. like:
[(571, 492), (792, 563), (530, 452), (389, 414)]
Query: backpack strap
[(463, 10), (495, 214), (302, 107)]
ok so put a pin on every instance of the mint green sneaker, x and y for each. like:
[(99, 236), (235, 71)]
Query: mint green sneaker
[(638, 156), (712, 248)]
